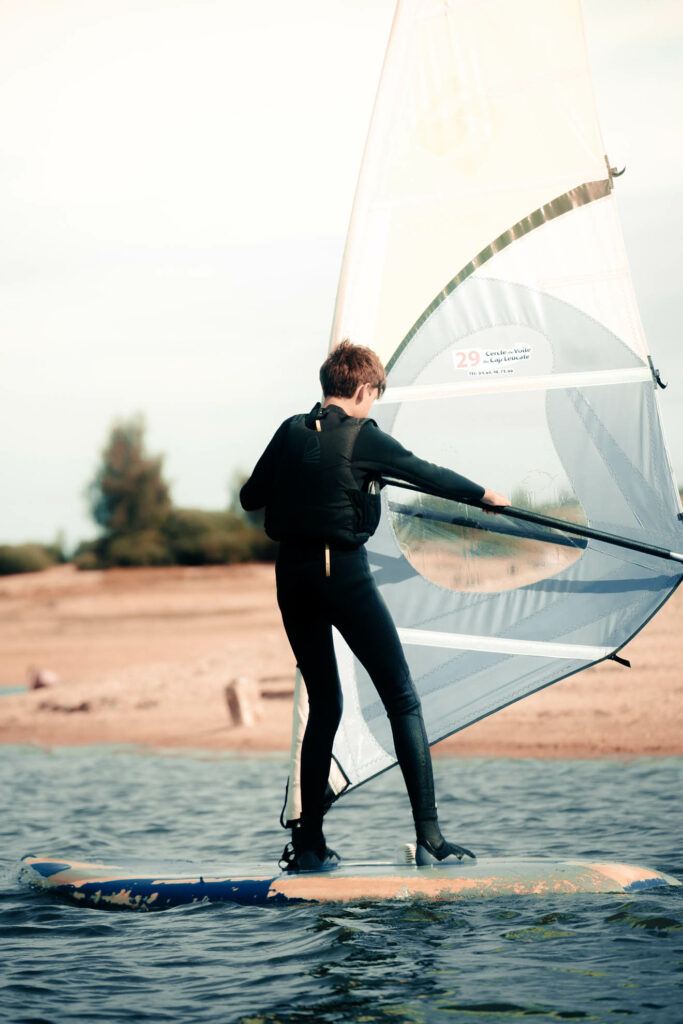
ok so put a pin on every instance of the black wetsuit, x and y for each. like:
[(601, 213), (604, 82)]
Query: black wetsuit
[(311, 602)]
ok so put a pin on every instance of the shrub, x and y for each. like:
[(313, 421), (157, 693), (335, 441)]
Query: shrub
[(199, 537), (16, 558), (91, 554), (144, 547), (86, 559)]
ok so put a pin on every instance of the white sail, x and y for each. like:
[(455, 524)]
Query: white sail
[(485, 265)]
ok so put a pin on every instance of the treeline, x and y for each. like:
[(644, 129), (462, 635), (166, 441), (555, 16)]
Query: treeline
[(139, 525)]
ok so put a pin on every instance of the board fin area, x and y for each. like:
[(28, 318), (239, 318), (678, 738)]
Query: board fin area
[(130, 884)]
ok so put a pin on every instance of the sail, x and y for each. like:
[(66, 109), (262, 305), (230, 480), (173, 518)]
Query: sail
[(485, 265)]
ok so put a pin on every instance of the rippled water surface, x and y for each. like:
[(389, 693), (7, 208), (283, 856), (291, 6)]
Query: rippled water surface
[(589, 958)]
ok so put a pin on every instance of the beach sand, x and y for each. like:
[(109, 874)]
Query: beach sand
[(144, 656)]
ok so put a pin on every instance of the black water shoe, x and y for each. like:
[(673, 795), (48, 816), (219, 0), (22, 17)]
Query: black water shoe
[(321, 859), (446, 853)]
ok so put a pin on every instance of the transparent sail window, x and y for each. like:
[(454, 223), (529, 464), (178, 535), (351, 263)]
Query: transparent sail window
[(501, 440)]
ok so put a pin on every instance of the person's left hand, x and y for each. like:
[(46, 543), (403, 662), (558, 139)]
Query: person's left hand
[(497, 502)]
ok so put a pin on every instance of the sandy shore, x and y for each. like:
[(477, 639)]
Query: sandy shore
[(144, 656)]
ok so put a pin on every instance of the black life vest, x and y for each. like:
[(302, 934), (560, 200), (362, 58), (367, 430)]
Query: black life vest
[(315, 496)]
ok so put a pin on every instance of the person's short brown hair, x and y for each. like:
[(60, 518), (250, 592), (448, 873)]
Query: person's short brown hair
[(347, 367)]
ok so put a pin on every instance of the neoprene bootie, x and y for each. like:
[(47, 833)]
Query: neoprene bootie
[(446, 853), (308, 851)]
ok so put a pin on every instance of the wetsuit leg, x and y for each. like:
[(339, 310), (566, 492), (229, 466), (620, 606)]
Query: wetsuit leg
[(309, 631), (363, 619)]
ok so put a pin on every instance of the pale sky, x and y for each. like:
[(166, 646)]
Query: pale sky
[(176, 178)]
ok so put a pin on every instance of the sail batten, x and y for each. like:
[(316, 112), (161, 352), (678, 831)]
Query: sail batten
[(502, 645), (453, 389)]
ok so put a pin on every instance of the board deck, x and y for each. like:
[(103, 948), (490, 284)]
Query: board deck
[(131, 884)]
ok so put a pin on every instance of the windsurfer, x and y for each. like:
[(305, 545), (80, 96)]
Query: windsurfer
[(317, 480)]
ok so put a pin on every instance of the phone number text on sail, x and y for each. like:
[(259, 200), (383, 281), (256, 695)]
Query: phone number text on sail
[(486, 362)]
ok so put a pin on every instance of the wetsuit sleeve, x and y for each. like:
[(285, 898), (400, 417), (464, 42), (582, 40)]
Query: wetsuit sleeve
[(380, 453), (256, 492)]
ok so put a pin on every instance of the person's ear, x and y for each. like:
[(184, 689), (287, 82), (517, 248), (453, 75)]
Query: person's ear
[(359, 396)]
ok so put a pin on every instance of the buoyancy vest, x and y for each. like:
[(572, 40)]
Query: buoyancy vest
[(315, 494)]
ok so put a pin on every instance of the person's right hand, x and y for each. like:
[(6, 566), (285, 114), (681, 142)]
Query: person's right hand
[(495, 500)]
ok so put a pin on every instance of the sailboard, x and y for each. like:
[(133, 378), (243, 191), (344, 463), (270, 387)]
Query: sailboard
[(485, 265), (134, 884)]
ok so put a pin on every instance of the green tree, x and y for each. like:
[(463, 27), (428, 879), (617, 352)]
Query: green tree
[(128, 493), (130, 501)]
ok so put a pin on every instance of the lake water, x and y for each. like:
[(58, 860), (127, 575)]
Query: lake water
[(589, 958)]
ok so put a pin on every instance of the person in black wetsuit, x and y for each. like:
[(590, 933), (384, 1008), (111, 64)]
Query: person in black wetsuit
[(315, 479)]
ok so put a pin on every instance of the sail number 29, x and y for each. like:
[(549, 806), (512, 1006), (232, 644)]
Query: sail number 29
[(464, 358)]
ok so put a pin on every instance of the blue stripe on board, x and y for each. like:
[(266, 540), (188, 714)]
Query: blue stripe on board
[(644, 883), (151, 895)]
